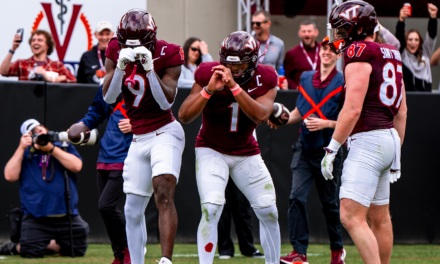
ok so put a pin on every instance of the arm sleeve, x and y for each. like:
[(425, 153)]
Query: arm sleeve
[(400, 34), (432, 27), (157, 91), (184, 80), (389, 37), (114, 88), (97, 112)]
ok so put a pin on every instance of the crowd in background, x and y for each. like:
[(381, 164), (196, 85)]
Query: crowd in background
[(417, 52)]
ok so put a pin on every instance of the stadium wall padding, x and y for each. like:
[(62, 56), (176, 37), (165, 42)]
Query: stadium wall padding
[(415, 198)]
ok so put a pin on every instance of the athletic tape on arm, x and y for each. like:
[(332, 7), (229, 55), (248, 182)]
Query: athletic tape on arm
[(115, 87), (157, 92)]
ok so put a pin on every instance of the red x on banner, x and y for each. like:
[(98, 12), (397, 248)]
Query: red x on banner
[(120, 108), (316, 108)]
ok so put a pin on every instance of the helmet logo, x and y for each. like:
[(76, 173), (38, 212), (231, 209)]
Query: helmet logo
[(352, 10), (133, 42), (251, 44), (151, 25)]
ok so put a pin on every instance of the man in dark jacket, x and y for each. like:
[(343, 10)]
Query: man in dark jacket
[(91, 66), (114, 149)]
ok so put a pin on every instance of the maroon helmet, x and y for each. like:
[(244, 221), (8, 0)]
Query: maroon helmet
[(137, 28), (346, 19), (237, 49)]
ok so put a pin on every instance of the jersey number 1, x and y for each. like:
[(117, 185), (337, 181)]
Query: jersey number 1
[(234, 117), (389, 79)]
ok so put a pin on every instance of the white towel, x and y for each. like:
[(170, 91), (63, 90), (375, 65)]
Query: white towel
[(396, 160)]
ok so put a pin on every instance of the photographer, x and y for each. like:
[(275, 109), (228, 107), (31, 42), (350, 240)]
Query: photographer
[(40, 170), (38, 67)]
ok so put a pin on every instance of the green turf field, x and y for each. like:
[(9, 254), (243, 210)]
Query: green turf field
[(187, 253)]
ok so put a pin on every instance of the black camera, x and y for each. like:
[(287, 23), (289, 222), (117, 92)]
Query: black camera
[(51, 136)]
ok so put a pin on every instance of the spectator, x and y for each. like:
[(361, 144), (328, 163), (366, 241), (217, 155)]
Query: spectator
[(323, 88), (113, 151), (435, 59), (271, 48), (91, 66), (416, 52), (38, 67), (196, 52), (303, 57), (385, 36), (40, 170)]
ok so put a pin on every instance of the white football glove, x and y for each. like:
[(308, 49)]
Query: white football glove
[(125, 57), (394, 175), (145, 57), (327, 162)]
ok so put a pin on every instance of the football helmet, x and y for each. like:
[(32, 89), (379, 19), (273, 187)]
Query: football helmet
[(137, 28), (240, 49), (345, 20)]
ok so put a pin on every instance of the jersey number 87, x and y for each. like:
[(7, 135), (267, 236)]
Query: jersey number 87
[(389, 79)]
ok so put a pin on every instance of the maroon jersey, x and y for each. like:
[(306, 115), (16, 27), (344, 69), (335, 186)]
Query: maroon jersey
[(384, 95), (225, 128), (142, 109)]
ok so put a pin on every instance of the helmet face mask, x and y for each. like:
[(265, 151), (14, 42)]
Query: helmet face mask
[(338, 37), (237, 69), (239, 52)]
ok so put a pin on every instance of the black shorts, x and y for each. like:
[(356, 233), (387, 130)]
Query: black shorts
[(36, 234)]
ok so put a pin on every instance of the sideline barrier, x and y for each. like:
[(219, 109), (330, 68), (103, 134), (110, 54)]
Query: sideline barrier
[(415, 198)]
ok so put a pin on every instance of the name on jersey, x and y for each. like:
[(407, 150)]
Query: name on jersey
[(390, 54)]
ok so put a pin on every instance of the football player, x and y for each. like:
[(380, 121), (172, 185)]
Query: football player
[(147, 70), (234, 95), (372, 121)]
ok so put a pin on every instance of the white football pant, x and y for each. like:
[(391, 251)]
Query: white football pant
[(251, 176)]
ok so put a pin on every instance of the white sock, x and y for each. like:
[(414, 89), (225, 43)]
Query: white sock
[(269, 233), (135, 226), (207, 232)]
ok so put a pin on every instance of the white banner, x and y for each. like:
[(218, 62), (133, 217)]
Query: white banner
[(71, 23)]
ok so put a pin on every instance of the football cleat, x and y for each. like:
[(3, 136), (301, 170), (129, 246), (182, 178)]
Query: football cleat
[(294, 258), (338, 256)]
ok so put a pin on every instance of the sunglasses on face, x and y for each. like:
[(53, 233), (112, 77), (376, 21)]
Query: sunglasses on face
[(258, 23), (194, 49)]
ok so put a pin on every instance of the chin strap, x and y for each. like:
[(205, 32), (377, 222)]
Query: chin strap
[(157, 91), (115, 87)]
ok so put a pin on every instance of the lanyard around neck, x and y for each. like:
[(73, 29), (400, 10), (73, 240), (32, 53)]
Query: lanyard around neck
[(308, 58)]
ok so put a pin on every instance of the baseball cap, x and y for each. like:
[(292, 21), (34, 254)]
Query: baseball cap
[(325, 40), (103, 25), (28, 125)]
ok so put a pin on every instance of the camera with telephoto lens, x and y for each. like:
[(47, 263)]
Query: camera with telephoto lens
[(51, 136)]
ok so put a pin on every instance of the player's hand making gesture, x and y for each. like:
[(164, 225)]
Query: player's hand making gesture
[(227, 75), (217, 81)]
